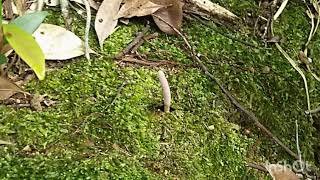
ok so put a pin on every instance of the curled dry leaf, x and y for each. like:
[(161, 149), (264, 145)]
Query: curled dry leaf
[(213, 9), (172, 14), (280, 172), (105, 21), (57, 43), (139, 8), (8, 88)]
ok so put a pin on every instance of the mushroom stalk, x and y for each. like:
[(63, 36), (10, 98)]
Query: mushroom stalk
[(165, 90)]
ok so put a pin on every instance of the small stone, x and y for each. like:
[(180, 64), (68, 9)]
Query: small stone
[(251, 69), (266, 70), (27, 148), (211, 127), (36, 102), (247, 131)]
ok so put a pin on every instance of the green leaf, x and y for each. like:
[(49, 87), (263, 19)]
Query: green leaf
[(3, 59), (26, 47), (30, 22)]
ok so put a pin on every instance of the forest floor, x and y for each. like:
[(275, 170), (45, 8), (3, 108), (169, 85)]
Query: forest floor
[(107, 124)]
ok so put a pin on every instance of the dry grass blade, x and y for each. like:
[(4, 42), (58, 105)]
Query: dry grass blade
[(297, 144), (317, 8), (312, 31), (213, 9), (281, 8), (5, 142), (88, 20), (296, 67)]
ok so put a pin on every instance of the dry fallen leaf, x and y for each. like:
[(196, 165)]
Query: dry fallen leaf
[(36, 102), (8, 88), (57, 43), (105, 21), (5, 142), (212, 9), (132, 8), (171, 14), (280, 172)]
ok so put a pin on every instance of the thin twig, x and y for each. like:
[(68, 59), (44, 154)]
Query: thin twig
[(318, 19), (88, 21), (118, 93), (228, 94), (12, 62), (144, 38), (223, 33), (295, 66), (313, 111), (80, 12), (258, 167), (145, 62), (133, 43), (298, 147), (311, 16), (281, 8)]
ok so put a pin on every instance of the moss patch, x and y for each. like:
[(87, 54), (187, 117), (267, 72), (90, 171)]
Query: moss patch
[(90, 134)]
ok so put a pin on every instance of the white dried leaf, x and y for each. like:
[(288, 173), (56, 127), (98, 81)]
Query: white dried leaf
[(138, 8), (105, 22), (57, 43)]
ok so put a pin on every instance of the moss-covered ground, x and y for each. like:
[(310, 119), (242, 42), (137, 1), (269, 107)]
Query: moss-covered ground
[(86, 136)]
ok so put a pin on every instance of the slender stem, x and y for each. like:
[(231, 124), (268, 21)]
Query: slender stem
[(0, 13), (1, 32)]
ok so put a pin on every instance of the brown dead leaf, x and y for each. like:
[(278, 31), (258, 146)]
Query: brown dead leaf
[(172, 14), (105, 21), (280, 172), (8, 88), (139, 8), (36, 102)]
